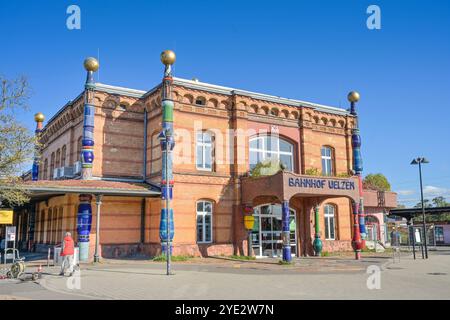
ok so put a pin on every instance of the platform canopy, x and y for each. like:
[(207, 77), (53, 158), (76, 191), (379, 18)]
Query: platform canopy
[(409, 213), (43, 189)]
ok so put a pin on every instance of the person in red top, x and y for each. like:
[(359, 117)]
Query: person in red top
[(67, 252)]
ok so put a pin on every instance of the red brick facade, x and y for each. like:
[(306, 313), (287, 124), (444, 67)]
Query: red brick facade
[(131, 225)]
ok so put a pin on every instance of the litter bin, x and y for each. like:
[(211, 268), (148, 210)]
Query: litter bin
[(57, 258)]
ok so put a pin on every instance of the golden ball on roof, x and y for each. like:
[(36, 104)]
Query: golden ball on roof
[(91, 64), (168, 57), (353, 96), (39, 117)]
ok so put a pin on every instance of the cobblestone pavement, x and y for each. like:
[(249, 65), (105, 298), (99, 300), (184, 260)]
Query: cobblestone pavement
[(309, 278)]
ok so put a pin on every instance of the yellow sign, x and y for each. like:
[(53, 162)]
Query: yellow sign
[(249, 222), (6, 216)]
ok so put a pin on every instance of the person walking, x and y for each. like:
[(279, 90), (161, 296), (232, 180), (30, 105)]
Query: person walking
[(67, 251)]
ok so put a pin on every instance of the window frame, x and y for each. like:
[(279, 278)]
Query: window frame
[(63, 156), (264, 151), (329, 158), (327, 217), (203, 145), (204, 214), (52, 165), (45, 172)]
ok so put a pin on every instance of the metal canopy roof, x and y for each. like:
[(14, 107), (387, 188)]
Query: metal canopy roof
[(409, 213), (48, 188)]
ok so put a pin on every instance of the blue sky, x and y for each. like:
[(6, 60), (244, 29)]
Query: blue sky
[(310, 50)]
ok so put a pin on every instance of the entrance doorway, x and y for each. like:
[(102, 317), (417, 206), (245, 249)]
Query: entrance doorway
[(266, 234)]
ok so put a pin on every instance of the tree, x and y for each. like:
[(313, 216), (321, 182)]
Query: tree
[(426, 204), (435, 202), (16, 141), (376, 182), (440, 202)]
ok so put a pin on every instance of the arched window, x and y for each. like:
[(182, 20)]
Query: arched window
[(271, 147), (52, 165), (58, 158), (60, 222), (45, 169), (42, 227), (63, 156), (48, 233), (327, 161), (204, 151), (201, 101), (204, 221), (330, 221), (79, 145)]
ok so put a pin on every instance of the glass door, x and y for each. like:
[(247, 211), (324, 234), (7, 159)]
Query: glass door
[(266, 235)]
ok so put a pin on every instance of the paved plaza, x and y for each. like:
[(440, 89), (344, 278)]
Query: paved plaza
[(218, 278)]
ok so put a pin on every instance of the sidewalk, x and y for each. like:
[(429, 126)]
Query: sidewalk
[(206, 279)]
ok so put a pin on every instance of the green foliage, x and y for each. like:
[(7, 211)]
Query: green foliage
[(325, 254), (435, 202), (16, 142), (440, 202), (266, 168), (312, 172), (376, 182), (162, 258), (343, 175), (317, 172), (426, 204)]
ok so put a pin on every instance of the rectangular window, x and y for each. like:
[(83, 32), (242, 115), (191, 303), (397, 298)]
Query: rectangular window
[(329, 222), (204, 151), (439, 234), (204, 222), (327, 161)]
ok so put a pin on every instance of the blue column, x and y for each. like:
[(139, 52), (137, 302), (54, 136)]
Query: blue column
[(286, 232), (353, 97), (84, 215), (167, 143), (39, 118), (84, 223)]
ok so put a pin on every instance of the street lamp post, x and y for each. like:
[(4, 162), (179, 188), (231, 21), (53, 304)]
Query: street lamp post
[(419, 161)]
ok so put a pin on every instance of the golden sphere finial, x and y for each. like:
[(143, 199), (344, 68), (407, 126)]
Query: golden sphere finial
[(353, 96), (168, 57), (91, 64), (39, 117)]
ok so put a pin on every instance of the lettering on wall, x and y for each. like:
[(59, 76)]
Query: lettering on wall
[(321, 183)]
